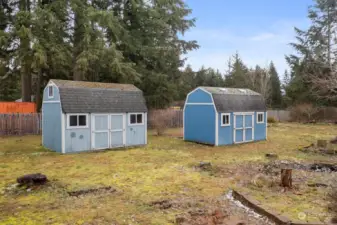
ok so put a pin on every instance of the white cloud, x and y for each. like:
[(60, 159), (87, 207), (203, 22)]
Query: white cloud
[(260, 47), (263, 37)]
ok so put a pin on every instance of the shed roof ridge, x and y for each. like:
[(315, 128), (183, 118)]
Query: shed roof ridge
[(232, 91), (94, 85)]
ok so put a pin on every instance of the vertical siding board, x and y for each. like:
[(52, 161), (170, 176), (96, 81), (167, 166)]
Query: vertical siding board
[(135, 133), (200, 124), (260, 128)]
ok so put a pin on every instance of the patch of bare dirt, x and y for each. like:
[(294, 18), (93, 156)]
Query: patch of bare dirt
[(92, 191), (209, 216)]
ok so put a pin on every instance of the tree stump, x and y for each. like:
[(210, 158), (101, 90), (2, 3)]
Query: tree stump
[(32, 179), (286, 178)]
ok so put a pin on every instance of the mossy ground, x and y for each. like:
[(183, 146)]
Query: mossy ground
[(161, 170)]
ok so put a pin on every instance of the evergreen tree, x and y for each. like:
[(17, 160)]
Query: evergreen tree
[(313, 69), (129, 41), (237, 74), (276, 95)]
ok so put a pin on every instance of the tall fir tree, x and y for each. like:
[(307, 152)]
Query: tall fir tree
[(313, 68), (276, 94)]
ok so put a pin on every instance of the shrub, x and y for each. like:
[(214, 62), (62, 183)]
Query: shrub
[(271, 119), (303, 112), (160, 120)]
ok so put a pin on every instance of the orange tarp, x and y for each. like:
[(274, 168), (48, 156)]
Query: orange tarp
[(17, 107)]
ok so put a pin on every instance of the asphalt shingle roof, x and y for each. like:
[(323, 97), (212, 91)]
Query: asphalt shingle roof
[(94, 97), (236, 99)]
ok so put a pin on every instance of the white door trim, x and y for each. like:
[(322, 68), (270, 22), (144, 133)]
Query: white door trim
[(243, 128)]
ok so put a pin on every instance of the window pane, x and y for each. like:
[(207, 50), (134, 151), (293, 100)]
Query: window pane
[(73, 121), (225, 119), (82, 120), (260, 118), (132, 119), (50, 89), (139, 118)]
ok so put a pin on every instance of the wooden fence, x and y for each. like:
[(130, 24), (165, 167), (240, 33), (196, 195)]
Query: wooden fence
[(20, 124), (173, 118), (280, 115)]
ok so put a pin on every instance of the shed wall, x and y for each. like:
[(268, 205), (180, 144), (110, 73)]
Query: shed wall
[(77, 140), (260, 128), (226, 132), (56, 96), (199, 123), (51, 126), (199, 96), (136, 134)]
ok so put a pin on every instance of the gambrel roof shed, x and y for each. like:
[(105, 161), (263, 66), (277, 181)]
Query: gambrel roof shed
[(94, 97), (83, 116), (224, 116)]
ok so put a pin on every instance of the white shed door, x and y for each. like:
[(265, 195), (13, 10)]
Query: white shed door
[(117, 130), (100, 131), (243, 127)]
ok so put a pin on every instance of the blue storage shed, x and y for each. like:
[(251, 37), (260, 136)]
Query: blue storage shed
[(80, 116), (224, 116)]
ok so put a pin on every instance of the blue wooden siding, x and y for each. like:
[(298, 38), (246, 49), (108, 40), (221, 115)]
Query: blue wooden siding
[(260, 128), (51, 126), (199, 96), (135, 134), (79, 139), (226, 132), (56, 94), (199, 123)]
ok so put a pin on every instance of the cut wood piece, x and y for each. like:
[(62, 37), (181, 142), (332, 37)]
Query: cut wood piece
[(286, 178)]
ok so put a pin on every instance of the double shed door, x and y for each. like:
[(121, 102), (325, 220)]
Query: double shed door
[(108, 131), (243, 127)]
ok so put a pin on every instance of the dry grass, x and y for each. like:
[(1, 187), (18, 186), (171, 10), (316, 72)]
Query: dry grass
[(161, 170)]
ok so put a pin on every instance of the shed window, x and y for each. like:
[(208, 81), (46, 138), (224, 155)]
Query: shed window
[(260, 117), (82, 120), (136, 119), (50, 92), (77, 121), (225, 119)]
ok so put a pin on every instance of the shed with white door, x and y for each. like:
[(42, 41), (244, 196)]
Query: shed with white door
[(224, 116), (81, 116)]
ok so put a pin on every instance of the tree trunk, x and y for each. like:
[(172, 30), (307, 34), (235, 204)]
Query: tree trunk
[(26, 84), (26, 77), (286, 178), (38, 91), (79, 32)]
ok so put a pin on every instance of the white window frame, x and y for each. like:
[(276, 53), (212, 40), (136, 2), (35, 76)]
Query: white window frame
[(229, 119), (257, 117), (52, 87), (78, 127), (135, 124)]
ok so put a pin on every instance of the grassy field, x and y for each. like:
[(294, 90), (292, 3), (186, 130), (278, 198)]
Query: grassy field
[(163, 170)]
